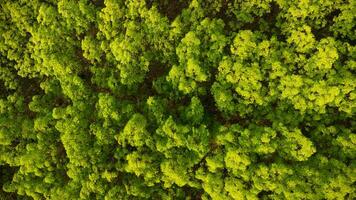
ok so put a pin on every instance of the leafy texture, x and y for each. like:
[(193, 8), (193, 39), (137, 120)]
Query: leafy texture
[(173, 99)]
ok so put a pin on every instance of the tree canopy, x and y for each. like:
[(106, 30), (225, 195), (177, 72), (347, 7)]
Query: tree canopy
[(177, 99)]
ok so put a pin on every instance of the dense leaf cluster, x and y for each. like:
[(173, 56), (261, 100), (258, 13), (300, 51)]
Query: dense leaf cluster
[(177, 99)]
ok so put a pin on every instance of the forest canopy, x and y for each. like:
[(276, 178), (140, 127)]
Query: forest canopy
[(177, 99)]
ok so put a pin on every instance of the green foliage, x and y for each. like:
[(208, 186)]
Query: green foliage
[(168, 99)]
